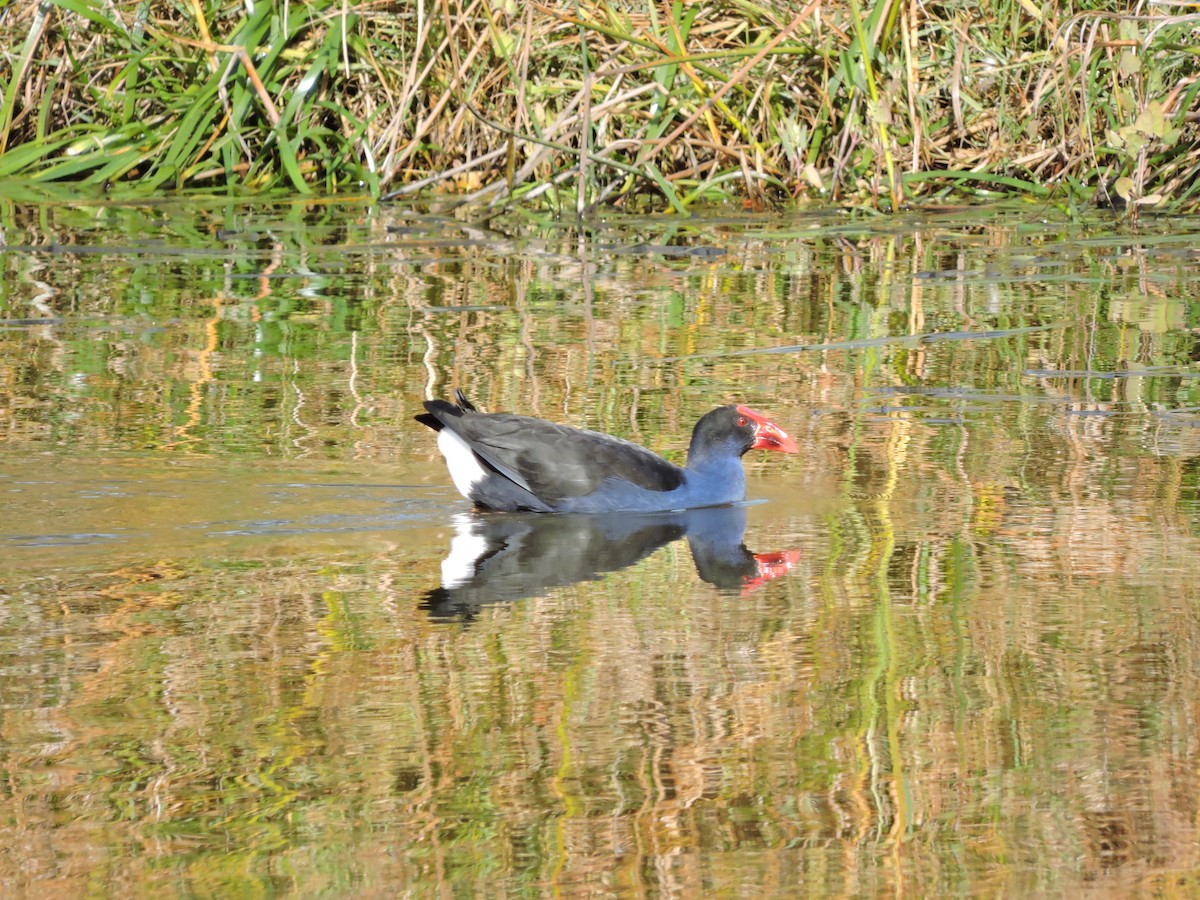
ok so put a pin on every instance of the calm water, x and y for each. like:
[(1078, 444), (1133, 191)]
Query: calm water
[(952, 648)]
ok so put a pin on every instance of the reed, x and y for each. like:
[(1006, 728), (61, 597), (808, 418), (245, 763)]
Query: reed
[(575, 106)]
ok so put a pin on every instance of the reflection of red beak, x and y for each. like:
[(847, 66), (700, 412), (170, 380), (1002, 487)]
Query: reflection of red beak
[(768, 435), (770, 567)]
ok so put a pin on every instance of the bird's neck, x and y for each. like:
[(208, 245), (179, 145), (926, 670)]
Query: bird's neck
[(703, 455), (714, 463), (715, 478)]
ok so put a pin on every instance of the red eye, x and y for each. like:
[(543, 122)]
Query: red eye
[(741, 421)]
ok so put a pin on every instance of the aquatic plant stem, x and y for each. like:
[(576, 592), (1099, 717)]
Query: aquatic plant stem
[(41, 19), (876, 111)]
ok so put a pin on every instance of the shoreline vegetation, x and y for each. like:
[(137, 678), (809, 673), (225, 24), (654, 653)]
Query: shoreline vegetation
[(630, 104)]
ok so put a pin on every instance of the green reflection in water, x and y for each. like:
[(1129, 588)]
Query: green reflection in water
[(978, 677)]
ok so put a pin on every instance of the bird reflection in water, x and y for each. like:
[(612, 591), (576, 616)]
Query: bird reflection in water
[(502, 558)]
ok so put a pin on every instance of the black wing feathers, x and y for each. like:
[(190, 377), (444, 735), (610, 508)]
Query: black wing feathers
[(463, 403), (550, 461)]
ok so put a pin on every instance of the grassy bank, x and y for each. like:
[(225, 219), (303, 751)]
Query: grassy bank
[(584, 104)]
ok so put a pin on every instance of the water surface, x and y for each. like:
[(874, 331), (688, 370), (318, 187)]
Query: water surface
[(953, 650)]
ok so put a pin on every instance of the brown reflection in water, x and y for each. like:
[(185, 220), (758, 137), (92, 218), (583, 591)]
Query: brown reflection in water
[(980, 677)]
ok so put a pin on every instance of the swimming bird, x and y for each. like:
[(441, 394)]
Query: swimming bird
[(508, 462)]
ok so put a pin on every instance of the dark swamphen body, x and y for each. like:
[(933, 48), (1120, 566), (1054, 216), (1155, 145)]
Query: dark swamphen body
[(509, 462)]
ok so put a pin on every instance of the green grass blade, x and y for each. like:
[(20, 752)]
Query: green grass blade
[(667, 189)]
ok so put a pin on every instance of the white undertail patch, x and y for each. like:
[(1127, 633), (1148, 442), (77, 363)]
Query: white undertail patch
[(465, 468), (467, 547)]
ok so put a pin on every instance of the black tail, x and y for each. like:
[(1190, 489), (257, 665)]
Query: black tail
[(431, 421), (437, 411)]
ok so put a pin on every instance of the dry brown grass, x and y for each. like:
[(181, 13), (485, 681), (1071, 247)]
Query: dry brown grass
[(578, 105)]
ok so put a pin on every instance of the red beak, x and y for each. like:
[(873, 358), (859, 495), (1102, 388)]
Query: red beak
[(768, 435), (770, 566)]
